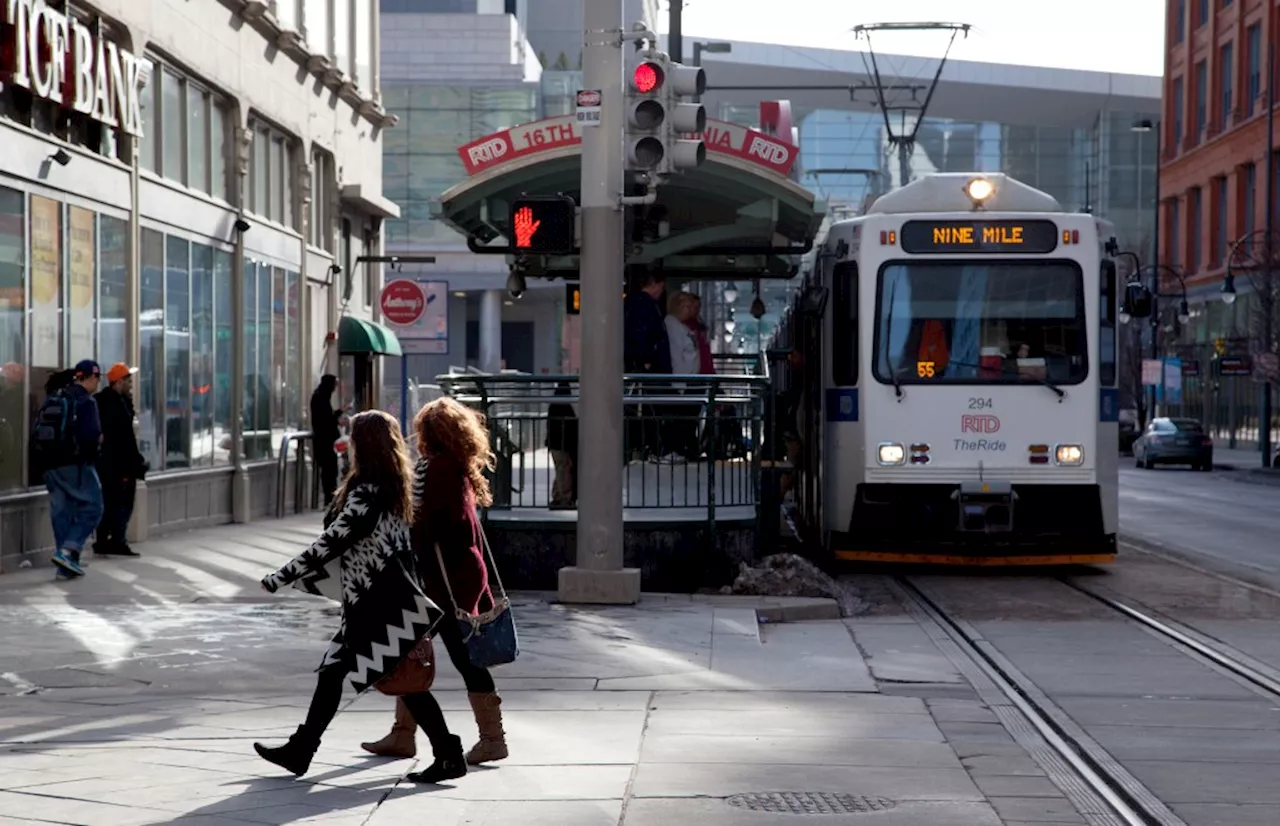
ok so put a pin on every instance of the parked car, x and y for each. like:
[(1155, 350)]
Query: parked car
[(1174, 442)]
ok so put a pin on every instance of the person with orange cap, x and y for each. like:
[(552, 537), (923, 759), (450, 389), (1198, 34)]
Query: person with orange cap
[(121, 464)]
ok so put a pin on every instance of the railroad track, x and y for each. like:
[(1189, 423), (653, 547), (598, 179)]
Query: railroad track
[(1096, 783)]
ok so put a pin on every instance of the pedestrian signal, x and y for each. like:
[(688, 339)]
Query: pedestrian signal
[(546, 225), (572, 299)]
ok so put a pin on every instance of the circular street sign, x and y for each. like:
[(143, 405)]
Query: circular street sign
[(403, 302)]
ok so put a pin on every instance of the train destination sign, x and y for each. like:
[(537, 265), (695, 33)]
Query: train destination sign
[(938, 237)]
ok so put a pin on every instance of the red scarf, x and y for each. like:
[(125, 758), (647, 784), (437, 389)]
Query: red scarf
[(706, 364)]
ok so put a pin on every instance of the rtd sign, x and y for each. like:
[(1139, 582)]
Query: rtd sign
[(403, 302), (58, 58)]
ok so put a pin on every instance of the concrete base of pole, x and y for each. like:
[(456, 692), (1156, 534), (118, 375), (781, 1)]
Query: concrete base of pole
[(240, 485), (138, 522), (585, 586)]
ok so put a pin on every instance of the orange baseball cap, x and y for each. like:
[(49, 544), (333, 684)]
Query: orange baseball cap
[(118, 371)]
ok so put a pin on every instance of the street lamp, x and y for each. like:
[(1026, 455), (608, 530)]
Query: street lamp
[(1229, 289), (1140, 128), (731, 294)]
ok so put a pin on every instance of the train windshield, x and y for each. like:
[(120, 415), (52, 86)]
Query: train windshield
[(981, 322)]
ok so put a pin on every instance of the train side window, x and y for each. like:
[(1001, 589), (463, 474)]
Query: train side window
[(844, 324), (1107, 325)]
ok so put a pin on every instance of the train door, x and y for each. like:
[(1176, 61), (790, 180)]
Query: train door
[(811, 369)]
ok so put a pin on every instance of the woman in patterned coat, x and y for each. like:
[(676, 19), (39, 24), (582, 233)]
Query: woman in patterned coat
[(449, 483), (366, 550)]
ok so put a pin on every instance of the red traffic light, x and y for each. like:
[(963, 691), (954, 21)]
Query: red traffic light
[(647, 78)]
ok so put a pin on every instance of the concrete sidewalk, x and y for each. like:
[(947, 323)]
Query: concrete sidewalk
[(133, 697)]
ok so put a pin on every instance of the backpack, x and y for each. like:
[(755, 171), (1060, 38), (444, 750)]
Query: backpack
[(53, 438)]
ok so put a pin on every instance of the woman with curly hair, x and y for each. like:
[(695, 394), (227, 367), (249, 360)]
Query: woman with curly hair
[(365, 559), (449, 483)]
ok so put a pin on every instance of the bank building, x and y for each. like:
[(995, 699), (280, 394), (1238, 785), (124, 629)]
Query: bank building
[(193, 187)]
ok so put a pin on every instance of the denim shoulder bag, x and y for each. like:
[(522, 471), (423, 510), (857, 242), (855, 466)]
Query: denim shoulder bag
[(490, 636)]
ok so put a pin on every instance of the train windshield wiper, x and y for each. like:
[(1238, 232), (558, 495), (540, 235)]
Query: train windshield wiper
[(1009, 371)]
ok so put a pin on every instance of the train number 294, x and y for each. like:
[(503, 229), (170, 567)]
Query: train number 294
[(980, 404)]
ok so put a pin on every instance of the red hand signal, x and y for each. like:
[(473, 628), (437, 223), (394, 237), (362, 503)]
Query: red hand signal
[(525, 227)]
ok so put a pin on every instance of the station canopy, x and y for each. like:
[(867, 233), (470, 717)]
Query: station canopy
[(739, 213)]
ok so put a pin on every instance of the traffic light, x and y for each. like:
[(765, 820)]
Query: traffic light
[(546, 225), (646, 112), (658, 119)]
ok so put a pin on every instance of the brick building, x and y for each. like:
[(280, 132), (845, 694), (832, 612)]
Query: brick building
[(1213, 176)]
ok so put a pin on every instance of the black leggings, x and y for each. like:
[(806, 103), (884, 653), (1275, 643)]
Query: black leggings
[(477, 680), (424, 708)]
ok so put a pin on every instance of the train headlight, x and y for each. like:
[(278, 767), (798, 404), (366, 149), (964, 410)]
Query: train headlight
[(979, 190), (1069, 454), (891, 454)]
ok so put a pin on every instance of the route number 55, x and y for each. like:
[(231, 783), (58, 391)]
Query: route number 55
[(925, 369)]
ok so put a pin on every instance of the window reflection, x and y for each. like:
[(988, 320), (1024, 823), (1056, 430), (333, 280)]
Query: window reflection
[(113, 290), (12, 338), (224, 329), (149, 390), (177, 354), (203, 395)]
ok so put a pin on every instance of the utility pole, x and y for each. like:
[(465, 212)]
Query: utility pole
[(675, 35), (599, 575), (1268, 302)]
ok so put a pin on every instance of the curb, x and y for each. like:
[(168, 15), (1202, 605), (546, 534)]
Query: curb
[(1198, 562), (773, 614)]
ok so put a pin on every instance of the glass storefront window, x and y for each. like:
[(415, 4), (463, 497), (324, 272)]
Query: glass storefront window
[(177, 353), (293, 350), (12, 337), (82, 243), (224, 329), (47, 355), (173, 120), (113, 290), (278, 354), (149, 391), (262, 420), (203, 355), (252, 439), (150, 126)]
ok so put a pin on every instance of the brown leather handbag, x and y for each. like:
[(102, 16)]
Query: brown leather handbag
[(415, 674)]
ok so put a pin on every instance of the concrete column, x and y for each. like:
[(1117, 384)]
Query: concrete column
[(139, 520), (240, 493), (599, 575), (491, 331)]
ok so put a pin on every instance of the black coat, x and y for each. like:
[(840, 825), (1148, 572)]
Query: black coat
[(119, 452), (645, 345)]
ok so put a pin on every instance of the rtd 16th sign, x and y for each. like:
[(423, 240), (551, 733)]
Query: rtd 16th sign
[(58, 58)]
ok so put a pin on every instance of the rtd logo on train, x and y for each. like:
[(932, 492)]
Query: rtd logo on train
[(979, 423)]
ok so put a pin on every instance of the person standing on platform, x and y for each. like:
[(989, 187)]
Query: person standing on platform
[(646, 350), (324, 432), (120, 464)]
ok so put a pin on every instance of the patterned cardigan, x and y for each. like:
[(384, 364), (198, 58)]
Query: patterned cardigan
[(364, 559)]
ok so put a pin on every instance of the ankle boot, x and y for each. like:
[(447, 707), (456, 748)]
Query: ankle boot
[(450, 763), (493, 740), (294, 756), (401, 741)]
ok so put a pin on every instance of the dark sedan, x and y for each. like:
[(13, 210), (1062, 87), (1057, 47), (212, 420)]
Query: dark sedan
[(1174, 442)]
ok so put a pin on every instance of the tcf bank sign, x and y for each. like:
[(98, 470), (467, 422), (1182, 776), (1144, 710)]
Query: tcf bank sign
[(59, 59)]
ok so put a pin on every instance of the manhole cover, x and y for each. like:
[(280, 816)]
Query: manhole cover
[(809, 803)]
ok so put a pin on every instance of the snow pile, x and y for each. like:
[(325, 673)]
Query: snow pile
[(789, 575)]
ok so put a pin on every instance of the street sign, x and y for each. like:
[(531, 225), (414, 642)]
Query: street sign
[(587, 109), (546, 225), (1235, 366), (1152, 372), (1190, 369), (402, 302)]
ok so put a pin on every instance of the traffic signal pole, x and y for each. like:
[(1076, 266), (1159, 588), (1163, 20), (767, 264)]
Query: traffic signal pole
[(599, 576)]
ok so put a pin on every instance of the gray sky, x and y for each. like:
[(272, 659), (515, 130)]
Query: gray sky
[(1104, 35)]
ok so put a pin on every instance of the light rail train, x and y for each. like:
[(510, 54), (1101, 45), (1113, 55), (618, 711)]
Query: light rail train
[(954, 361)]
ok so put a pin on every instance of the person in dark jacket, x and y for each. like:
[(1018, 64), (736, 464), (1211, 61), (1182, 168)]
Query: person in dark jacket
[(120, 464), (646, 350), (75, 494), (645, 345), (324, 430), (449, 483)]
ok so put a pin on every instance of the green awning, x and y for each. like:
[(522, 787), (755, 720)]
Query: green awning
[(356, 335)]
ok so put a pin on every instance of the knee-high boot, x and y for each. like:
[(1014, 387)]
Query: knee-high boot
[(493, 740), (401, 741)]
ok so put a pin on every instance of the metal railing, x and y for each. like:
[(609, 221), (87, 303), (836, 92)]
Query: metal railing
[(300, 474), (690, 442)]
